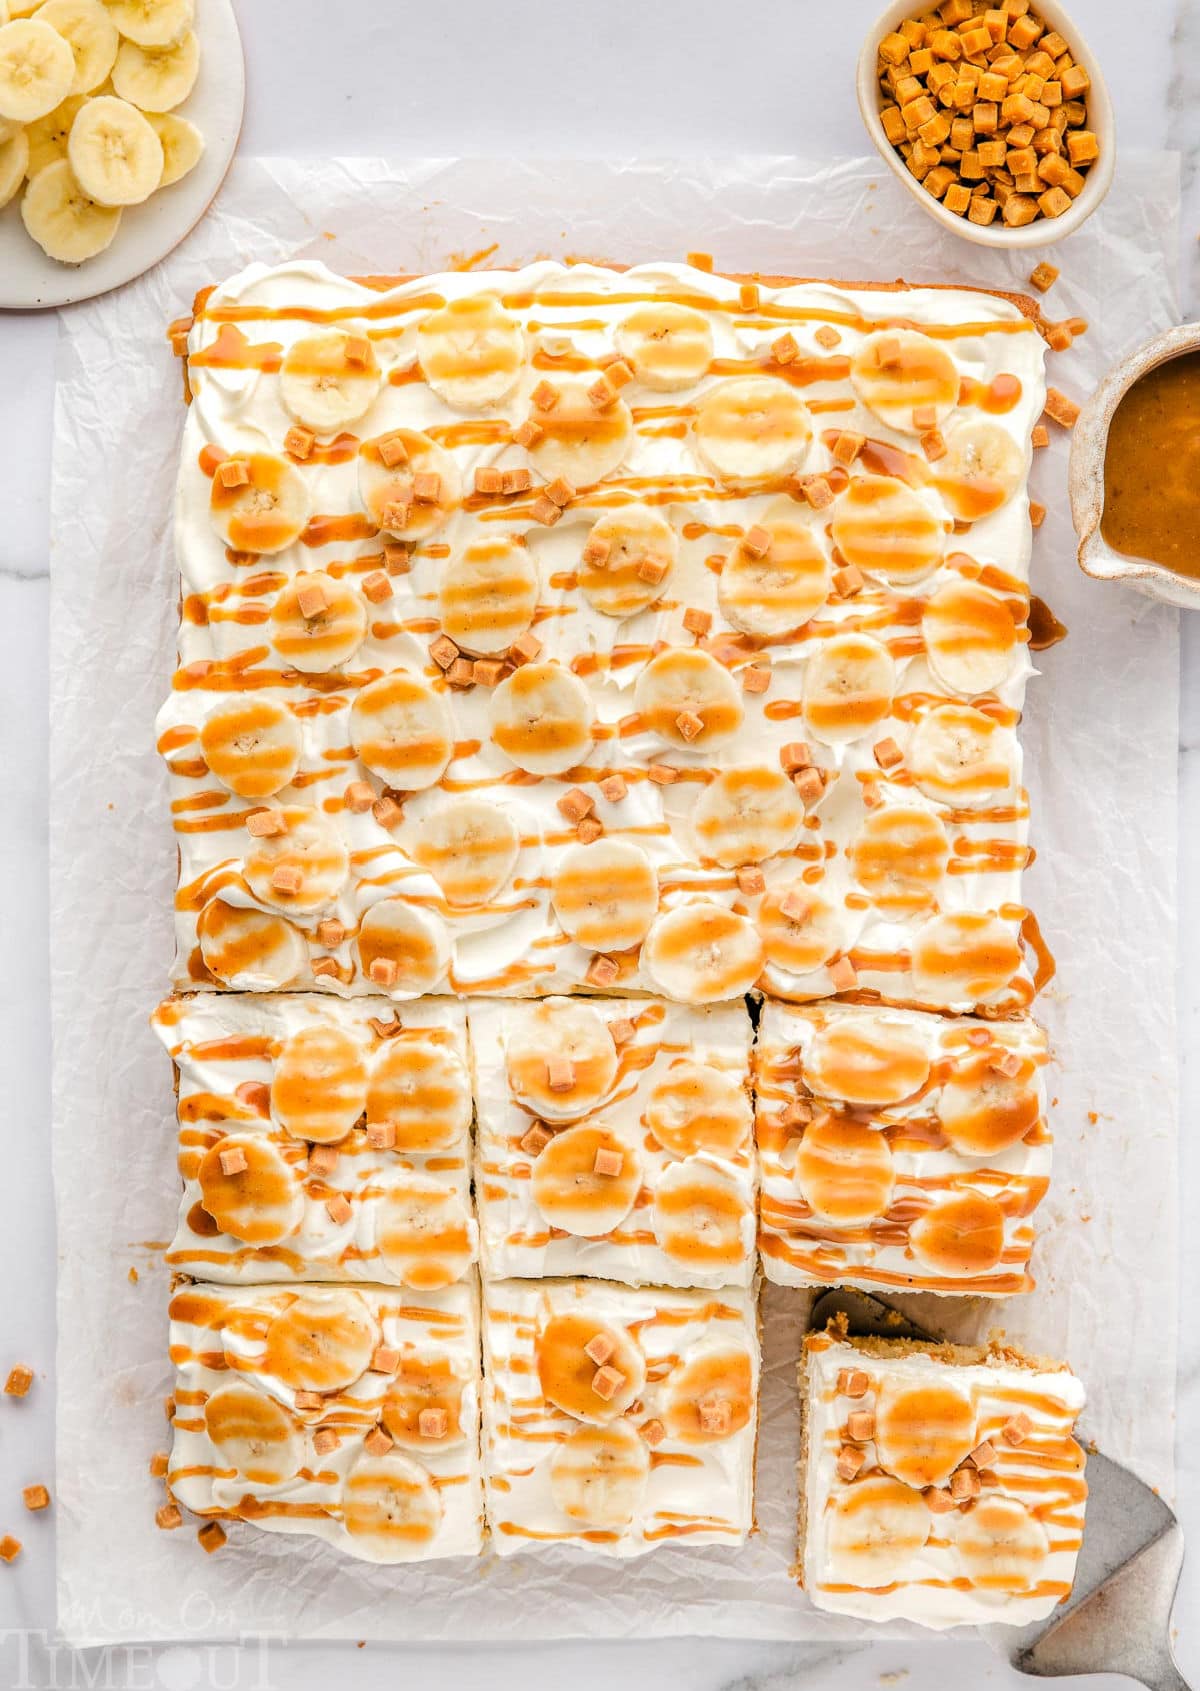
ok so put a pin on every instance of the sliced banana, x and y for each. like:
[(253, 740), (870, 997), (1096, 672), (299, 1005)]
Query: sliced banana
[(423, 1382), (883, 527), (982, 1110), (966, 957), (422, 1092), (401, 729), (801, 930), (780, 590), (471, 352), (701, 953), (961, 1235), (982, 468), (115, 154), (37, 69), (14, 157), (329, 380), (59, 216), (182, 145), (330, 636), (627, 560), (470, 847), (247, 949), (875, 1528), (157, 79), (426, 1236), (414, 940), (260, 1203), (897, 372), (669, 346), (922, 1433), (391, 1507), (488, 595), (541, 717), (254, 1434), (322, 1342), (961, 758), (579, 441), (567, 1373), (970, 637), (570, 1193), (48, 137), (303, 867), (844, 1171), (688, 698), (752, 429), (711, 1397), (90, 33), (555, 1031), (696, 1107), (152, 23), (605, 894), (701, 1216), (747, 815), (252, 746), (871, 1058), (598, 1475), (319, 1084), (899, 857), (389, 495), (263, 513), (848, 686), (1001, 1545)]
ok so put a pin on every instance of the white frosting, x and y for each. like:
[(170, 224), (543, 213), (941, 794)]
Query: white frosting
[(221, 1045), (218, 1337), (800, 1248), (703, 1492), (936, 1585), (515, 944), (516, 1238)]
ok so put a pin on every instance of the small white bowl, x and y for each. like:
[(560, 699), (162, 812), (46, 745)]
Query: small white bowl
[(1085, 476), (1044, 231)]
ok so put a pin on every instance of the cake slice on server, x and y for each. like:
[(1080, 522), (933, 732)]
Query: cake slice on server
[(899, 1150), (321, 1140), (939, 1483)]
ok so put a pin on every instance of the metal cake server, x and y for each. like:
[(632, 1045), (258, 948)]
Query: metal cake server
[(1118, 1617)]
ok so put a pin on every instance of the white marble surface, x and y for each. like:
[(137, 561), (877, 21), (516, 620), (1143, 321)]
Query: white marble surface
[(662, 76)]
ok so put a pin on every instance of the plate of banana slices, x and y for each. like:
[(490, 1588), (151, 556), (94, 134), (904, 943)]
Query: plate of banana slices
[(118, 121)]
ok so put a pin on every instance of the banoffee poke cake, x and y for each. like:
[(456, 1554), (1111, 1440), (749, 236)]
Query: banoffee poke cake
[(568, 628), (351, 1415), (321, 1140), (940, 1484), (615, 1138), (618, 1420), (899, 1150)]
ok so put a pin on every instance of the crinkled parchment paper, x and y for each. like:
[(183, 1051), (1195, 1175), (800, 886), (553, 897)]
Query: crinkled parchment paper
[(1100, 737)]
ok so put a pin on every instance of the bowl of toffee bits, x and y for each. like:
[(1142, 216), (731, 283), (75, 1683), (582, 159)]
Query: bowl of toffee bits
[(996, 118)]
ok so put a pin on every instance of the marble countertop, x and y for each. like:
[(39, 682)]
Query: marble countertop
[(361, 78)]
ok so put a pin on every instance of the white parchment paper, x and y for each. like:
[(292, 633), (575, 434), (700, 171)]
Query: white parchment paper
[(1100, 734)]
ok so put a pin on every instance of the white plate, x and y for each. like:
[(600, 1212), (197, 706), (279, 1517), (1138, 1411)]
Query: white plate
[(29, 281)]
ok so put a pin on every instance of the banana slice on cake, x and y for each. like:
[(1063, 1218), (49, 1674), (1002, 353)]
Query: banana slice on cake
[(391, 1507), (605, 894), (598, 1475), (751, 430), (258, 503), (566, 1352), (426, 1236), (409, 486), (580, 441), (959, 757), (319, 1084), (907, 379), (402, 731), (884, 528), (970, 637), (777, 581), (254, 1434), (421, 1094), (252, 746), (747, 815), (982, 1109), (471, 352), (701, 953), (627, 560), (968, 956), (801, 930), (37, 69), (14, 159), (64, 221), (404, 950), (561, 1060), (317, 623), (157, 79), (470, 847), (899, 857), (87, 28), (329, 379), (923, 1433), (250, 1191), (488, 595), (982, 468), (698, 1108), (1001, 1545), (701, 1216), (711, 1397), (961, 1235), (870, 1059), (322, 1342), (301, 867), (844, 1171), (420, 1383), (586, 1180), (541, 717), (848, 686), (152, 23), (668, 346), (876, 1526), (688, 698), (182, 145), (115, 154), (248, 949)]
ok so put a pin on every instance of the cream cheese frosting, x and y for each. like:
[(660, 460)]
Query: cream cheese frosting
[(899, 1150), (658, 1096), (321, 1140), (891, 615), (348, 1414), (943, 1494), (659, 1450)]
